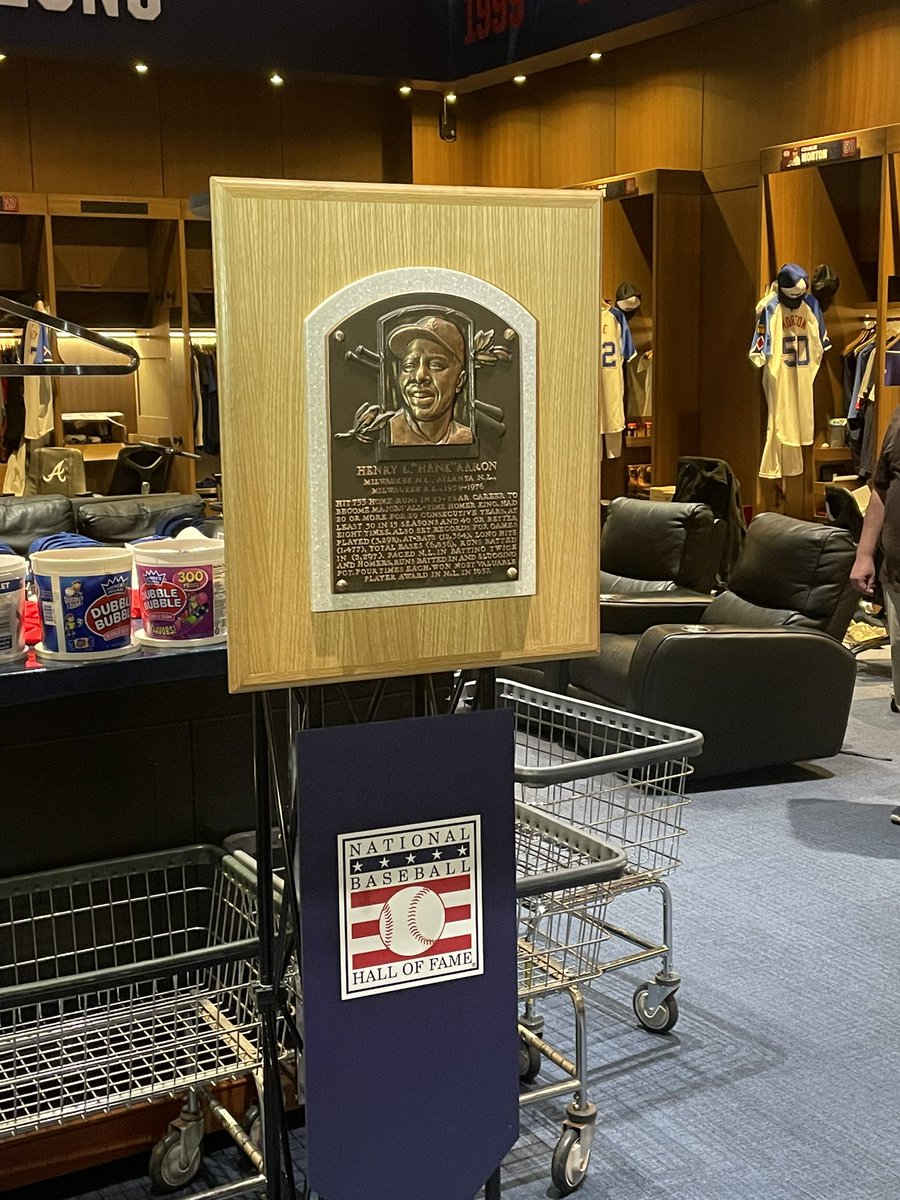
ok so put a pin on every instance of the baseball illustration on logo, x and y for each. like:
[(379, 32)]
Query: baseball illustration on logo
[(412, 921)]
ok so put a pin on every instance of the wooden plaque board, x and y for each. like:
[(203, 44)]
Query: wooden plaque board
[(282, 248)]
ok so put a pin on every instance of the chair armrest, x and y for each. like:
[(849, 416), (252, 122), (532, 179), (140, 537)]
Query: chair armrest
[(635, 613), (759, 696)]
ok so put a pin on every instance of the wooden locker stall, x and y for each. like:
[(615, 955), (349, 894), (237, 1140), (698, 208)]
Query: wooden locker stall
[(117, 268), (26, 266), (826, 212), (889, 279), (25, 251), (197, 323), (651, 239)]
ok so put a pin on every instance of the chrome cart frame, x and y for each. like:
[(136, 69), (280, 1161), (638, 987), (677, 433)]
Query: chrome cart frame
[(126, 981), (610, 788)]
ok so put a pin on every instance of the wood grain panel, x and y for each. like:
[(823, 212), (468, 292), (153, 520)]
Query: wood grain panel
[(856, 67), (510, 138), (23, 250), (846, 199), (731, 399), (659, 104), (628, 254), (269, 241), (787, 200), (578, 126), (94, 129), (103, 393), (753, 98), (676, 333), (333, 131), (15, 135), (436, 161), (733, 177), (217, 125)]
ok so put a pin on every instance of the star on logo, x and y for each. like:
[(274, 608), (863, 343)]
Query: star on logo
[(463, 851), (357, 866), (437, 855), (410, 858), (384, 862), (115, 584)]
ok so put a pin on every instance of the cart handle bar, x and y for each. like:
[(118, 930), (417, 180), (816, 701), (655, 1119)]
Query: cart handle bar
[(624, 760), (609, 862)]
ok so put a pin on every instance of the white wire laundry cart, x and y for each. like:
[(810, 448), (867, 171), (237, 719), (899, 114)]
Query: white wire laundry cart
[(599, 817), (126, 981)]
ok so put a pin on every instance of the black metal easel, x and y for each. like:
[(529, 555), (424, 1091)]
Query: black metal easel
[(279, 941)]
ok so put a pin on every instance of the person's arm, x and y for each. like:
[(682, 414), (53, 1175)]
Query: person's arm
[(862, 576)]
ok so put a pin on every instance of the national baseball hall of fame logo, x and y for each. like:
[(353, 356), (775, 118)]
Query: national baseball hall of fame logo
[(410, 906)]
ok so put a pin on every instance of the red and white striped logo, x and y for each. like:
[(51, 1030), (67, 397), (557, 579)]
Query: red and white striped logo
[(410, 905)]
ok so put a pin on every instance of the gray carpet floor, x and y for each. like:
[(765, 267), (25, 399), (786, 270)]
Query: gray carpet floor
[(781, 1080)]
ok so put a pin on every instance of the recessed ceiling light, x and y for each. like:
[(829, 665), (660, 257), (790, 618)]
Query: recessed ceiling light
[(141, 67), (2, 58), (276, 79), (406, 90), (596, 56), (450, 97), (519, 78)]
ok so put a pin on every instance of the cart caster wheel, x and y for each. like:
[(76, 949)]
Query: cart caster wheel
[(166, 1171), (252, 1125), (529, 1061), (657, 1020), (570, 1163)]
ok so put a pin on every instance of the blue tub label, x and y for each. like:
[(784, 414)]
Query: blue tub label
[(11, 600), (96, 613)]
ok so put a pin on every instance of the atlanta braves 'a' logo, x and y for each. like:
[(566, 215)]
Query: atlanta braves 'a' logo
[(60, 472)]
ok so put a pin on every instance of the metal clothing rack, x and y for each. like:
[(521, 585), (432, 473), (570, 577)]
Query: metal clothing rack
[(61, 325)]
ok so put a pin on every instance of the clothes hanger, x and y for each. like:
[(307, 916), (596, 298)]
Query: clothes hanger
[(60, 325)]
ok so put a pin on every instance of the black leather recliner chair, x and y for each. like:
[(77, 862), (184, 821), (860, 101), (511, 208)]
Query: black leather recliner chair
[(759, 670), (651, 546), (649, 551)]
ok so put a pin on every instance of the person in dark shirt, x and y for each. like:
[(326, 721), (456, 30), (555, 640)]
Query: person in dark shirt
[(882, 523)]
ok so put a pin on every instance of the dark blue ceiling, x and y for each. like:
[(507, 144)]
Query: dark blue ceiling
[(389, 38), (484, 35), (416, 39)]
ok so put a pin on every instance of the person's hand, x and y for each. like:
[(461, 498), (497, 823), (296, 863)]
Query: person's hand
[(862, 576)]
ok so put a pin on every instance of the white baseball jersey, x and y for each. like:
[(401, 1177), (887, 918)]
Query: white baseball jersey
[(38, 390), (616, 349), (789, 344)]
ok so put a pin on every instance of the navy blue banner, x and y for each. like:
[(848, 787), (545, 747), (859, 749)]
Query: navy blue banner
[(485, 34), (407, 880), (389, 38), (400, 39)]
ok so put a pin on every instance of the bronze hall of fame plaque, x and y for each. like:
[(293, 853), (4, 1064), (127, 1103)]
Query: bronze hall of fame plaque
[(421, 387)]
